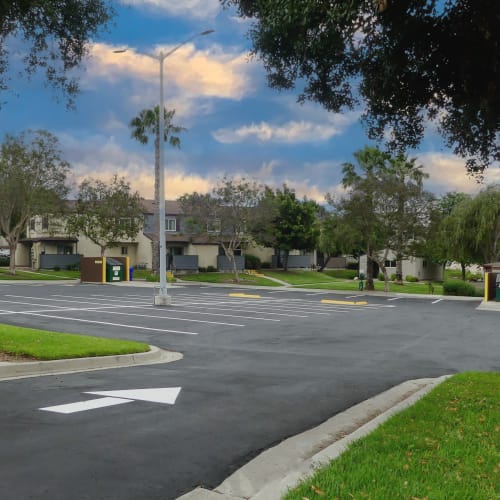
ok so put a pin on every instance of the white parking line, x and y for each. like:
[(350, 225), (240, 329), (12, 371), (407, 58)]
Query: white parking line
[(394, 298), (112, 324), (436, 301), (172, 318)]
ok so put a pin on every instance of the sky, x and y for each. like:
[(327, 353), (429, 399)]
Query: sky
[(236, 125)]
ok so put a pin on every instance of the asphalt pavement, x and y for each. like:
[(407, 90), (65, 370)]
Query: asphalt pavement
[(256, 373)]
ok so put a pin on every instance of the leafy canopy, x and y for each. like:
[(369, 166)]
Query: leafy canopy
[(106, 213), (55, 33), (32, 182), (410, 61)]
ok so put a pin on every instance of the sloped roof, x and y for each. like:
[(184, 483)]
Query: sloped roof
[(172, 207)]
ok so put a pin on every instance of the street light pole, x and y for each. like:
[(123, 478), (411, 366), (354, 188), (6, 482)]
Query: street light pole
[(162, 298)]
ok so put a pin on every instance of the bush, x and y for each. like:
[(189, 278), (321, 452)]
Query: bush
[(4, 260), (265, 265), (56, 268), (381, 277), (344, 274), (459, 288), (252, 262), (211, 269), (353, 266), (393, 277), (411, 279), (202, 269)]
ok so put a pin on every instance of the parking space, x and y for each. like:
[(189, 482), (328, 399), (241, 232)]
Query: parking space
[(193, 312)]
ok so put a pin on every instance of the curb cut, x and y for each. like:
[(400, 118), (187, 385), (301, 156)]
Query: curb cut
[(271, 474), (9, 371)]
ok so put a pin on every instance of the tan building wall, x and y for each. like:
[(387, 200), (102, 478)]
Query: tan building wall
[(207, 254), (263, 253)]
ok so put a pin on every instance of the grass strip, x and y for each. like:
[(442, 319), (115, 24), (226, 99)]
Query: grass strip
[(446, 446), (45, 345), (44, 274), (228, 278)]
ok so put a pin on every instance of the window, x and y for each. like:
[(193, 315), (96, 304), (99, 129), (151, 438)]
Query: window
[(124, 251), (390, 263), (32, 224), (45, 223), (214, 226), (170, 224)]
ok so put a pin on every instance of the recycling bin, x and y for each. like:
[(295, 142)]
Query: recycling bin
[(115, 270)]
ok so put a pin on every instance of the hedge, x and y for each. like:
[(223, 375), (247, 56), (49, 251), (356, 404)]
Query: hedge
[(459, 288)]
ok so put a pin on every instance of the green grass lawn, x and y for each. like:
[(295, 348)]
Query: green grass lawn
[(311, 279), (44, 274), (446, 446), (299, 277), (228, 278), (44, 345)]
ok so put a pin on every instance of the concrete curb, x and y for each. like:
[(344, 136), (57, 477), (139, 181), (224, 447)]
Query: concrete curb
[(9, 370), (273, 472), (490, 305)]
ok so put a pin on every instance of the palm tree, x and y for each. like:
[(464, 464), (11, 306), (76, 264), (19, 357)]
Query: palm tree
[(144, 126)]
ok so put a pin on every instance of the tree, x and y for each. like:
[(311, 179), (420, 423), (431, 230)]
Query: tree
[(409, 61), (225, 215), (106, 213), (472, 229), (56, 33), (293, 224), (457, 235), (32, 182), (439, 243), (329, 241), (143, 126), (386, 206)]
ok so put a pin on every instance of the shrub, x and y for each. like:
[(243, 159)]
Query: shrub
[(202, 269), (252, 262), (411, 279), (4, 260), (211, 269), (345, 274), (265, 265), (353, 266), (381, 277), (459, 288), (57, 268), (393, 277)]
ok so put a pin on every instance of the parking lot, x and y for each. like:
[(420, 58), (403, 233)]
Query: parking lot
[(258, 366)]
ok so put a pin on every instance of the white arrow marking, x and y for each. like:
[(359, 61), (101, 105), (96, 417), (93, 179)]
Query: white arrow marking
[(91, 404), (164, 395)]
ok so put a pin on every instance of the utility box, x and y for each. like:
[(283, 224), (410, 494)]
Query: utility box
[(115, 270)]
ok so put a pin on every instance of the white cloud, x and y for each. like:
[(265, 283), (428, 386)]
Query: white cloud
[(290, 132), (204, 9), (190, 73), (102, 157), (447, 173)]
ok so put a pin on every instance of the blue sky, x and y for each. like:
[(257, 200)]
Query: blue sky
[(236, 124)]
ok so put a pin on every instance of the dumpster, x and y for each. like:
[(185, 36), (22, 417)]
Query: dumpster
[(115, 270), (131, 274)]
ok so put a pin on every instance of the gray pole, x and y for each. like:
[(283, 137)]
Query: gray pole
[(162, 299)]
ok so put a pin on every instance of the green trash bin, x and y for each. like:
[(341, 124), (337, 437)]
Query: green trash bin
[(115, 270), (497, 287)]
